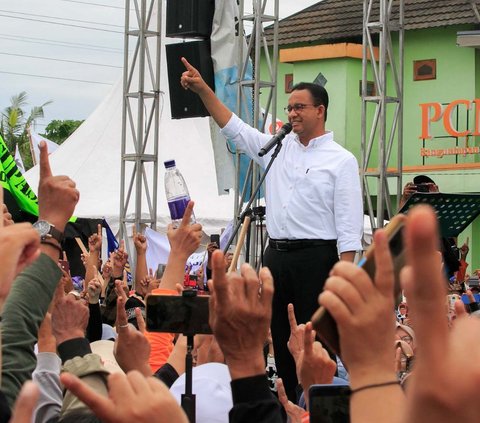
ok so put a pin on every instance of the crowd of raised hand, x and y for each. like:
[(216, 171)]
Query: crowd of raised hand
[(49, 332)]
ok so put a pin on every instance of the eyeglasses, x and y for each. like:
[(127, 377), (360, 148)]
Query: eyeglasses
[(298, 107)]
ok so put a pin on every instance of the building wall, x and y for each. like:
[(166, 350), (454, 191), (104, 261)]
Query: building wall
[(457, 77)]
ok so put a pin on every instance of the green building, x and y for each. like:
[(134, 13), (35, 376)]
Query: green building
[(441, 117)]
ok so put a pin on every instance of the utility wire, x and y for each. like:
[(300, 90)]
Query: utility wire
[(62, 24), (60, 18), (57, 78), (60, 60), (37, 40), (94, 4)]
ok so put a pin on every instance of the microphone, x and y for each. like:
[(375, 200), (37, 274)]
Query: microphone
[(279, 136)]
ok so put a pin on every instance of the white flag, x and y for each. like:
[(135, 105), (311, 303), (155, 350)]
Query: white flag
[(35, 139), (19, 161), (226, 43), (158, 250)]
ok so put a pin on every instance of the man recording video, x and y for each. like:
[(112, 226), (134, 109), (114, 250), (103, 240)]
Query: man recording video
[(314, 204), (450, 251)]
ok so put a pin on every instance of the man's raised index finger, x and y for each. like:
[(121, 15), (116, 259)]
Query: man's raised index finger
[(45, 169), (291, 317), (187, 64)]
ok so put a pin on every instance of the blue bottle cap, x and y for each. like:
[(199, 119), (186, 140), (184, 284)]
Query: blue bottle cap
[(169, 163)]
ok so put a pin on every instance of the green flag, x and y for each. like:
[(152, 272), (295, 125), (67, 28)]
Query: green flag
[(13, 181)]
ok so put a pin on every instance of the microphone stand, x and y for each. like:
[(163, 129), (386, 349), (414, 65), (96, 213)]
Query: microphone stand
[(247, 211)]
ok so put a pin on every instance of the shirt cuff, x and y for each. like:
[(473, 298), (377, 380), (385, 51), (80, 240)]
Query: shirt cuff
[(48, 361), (254, 388), (72, 348)]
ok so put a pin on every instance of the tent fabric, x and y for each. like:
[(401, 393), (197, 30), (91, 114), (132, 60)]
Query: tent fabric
[(91, 156)]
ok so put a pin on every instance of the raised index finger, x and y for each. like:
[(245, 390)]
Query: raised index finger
[(187, 65), (424, 284), (291, 318), (45, 169), (188, 214), (219, 277)]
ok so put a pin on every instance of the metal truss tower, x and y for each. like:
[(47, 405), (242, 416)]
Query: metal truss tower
[(382, 17), (265, 84), (140, 114)]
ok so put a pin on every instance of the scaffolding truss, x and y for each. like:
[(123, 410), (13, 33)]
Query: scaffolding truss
[(257, 45), (140, 114), (381, 18)]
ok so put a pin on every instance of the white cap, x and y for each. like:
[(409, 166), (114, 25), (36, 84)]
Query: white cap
[(213, 395)]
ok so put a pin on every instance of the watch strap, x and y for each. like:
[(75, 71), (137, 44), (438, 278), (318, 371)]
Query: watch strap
[(54, 245), (56, 234)]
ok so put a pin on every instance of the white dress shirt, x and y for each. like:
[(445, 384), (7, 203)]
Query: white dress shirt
[(312, 192)]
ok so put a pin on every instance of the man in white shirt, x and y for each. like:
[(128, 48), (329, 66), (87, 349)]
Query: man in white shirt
[(314, 204)]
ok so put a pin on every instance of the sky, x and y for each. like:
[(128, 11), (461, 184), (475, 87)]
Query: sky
[(69, 52)]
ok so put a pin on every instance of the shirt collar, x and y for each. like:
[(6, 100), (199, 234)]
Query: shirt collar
[(316, 142)]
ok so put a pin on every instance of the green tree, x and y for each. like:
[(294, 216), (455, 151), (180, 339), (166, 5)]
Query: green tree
[(59, 130), (15, 122)]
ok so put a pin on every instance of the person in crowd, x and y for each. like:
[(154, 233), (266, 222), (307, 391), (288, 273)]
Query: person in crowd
[(118, 260), (32, 290), (184, 241), (314, 205), (450, 252)]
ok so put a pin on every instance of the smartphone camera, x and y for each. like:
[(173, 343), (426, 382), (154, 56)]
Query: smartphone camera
[(186, 314), (422, 188), (329, 404), (215, 238)]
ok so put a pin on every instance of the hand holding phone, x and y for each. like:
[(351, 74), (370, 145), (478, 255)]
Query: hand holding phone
[(329, 403), (215, 238), (324, 323), (178, 314)]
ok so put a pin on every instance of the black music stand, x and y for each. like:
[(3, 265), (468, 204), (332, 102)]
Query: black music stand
[(454, 211)]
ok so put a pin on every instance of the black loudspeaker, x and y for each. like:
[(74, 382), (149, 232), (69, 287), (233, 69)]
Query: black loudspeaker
[(185, 103), (190, 18)]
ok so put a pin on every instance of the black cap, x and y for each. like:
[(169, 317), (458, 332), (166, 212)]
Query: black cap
[(423, 179), (169, 163)]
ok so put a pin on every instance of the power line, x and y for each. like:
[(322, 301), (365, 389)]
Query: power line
[(62, 24), (46, 41), (60, 60), (61, 18), (94, 4), (56, 77)]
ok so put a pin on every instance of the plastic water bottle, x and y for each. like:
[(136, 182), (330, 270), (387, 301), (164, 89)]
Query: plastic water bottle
[(177, 193)]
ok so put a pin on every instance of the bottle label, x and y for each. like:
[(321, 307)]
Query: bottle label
[(177, 207)]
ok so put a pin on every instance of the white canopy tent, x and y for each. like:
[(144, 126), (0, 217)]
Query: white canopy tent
[(91, 156)]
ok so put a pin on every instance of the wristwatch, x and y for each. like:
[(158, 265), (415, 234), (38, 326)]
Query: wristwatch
[(47, 231)]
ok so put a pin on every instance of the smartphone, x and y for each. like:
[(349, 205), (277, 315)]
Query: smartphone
[(329, 403), (64, 265), (422, 188), (451, 299), (216, 239), (324, 323), (178, 314)]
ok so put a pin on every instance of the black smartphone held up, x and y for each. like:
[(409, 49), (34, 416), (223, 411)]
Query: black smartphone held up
[(216, 239), (64, 265), (324, 323), (329, 403), (178, 314)]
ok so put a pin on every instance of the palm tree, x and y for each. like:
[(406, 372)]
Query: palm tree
[(15, 123)]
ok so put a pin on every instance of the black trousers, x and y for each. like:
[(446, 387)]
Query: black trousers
[(299, 276)]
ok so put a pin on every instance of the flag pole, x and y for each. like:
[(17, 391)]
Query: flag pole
[(31, 146)]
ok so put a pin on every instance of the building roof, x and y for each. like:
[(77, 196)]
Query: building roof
[(334, 20)]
